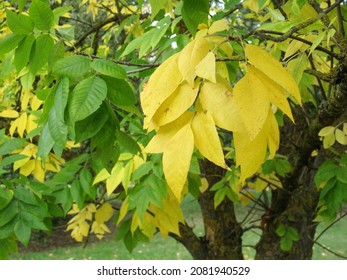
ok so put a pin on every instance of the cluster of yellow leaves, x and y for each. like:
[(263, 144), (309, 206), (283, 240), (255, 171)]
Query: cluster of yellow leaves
[(120, 173), (31, 164), (90, 219), (166, 219), (187, 97), (330, 134)]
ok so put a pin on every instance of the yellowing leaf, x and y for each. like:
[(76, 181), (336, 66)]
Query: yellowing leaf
[(250, 154), (252, 102), (176, 159), (174, 106), (11, 114), (168, 217), (190, 57), (340, 137), (219, 101), (206, 138), (329, 140), (39, 171), (115, 179), (267, 64), (275, 93), (123, 210), (345, 128), (104, 213), (206, 68), (166, 132), (160, 86), (101, 176), (35, 103), (31, 123), (326, 131), (218, 26), (27, 168), (273, 135), (22, 122)]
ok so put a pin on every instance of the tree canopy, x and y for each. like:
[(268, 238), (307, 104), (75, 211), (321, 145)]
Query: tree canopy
[(120, 110)]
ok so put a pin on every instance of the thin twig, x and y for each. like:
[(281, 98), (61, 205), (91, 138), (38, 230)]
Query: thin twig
[(330, 251), (330, 226)]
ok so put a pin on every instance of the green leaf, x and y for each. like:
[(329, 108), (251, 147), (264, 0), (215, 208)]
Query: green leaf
[(86, 181), (195, 12), (63, 197), (40, 53), (157, 5), (46, 142), (91, 125), (77, 194), (286, 244), (128, 144), (72, 67), (86, 98), (56, 121), (341, 174), (281, 230), (109, 68), (105, 153), (10, 145), (8, 213), (41, 14), (325, 172), (32, 221), (10, 42), (282, 167), (119, 92), (22, 232), (25, 196), (292, 234), (5, 197), (142, 171), (22, 53), (57, 53), (19, 23), (7, 246)]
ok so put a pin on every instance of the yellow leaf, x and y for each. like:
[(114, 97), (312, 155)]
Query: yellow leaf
[(206, 68), (275, 93), (190, 57), (104, 213), (273, 134), (252, 102), (11, 114), (176, 159), (329, 140), (101, 176), (206, 138), (218, 26), (160, 86), (148, 226), (168, 217), (39, 171), (22, 122), (166, 132), (115, 179), (218, 100), (135, 222), (31, 123), (222, 70), (174, 106), (27, 168), (35, 103), (123, 210), (340, 137), (204, 185), (325, 131), (250, 154), (25, 100), (128, 169), (267, 64), (345, 128)]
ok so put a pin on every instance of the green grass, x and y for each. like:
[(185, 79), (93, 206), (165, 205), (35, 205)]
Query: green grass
[(162, 248)]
